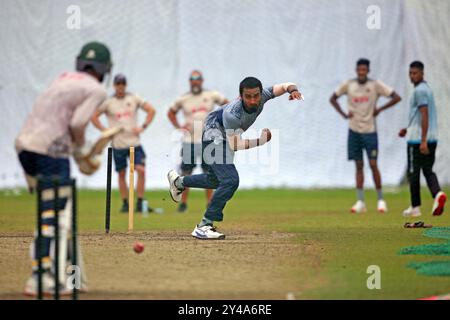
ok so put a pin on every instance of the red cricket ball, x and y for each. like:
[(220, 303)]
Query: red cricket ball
[(138, 247)]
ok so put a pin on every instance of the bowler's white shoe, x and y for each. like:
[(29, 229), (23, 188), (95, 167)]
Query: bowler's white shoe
[(48, 286), (359, 207), (439, 203), (382, 206), (412, 212), (207, 233), (175, 193)]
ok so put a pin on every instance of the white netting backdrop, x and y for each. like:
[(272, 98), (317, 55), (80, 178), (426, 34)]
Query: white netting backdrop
[(313, 43)]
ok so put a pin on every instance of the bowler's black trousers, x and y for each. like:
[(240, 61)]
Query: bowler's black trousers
[(418, 161)]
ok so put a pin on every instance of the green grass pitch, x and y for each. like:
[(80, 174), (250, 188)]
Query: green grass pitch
[(340, 245)]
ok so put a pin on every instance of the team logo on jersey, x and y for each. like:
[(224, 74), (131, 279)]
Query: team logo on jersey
[(199, 109), (122, 115), (91, 54), (360, 99), (367, 90)]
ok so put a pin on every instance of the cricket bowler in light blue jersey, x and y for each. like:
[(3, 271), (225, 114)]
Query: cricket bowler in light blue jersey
[(422, 138), (221, 138)]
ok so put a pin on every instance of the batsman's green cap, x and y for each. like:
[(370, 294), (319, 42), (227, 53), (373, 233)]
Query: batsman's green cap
[(96, 55)]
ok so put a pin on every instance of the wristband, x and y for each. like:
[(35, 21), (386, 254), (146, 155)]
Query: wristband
[(293, 91)]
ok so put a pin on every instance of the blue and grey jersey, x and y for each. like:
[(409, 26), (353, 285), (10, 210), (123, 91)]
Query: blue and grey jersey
[(422, 97), (232, 116)]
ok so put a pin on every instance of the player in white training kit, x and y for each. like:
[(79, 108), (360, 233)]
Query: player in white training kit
[(195, 106), (362, 96), (54, 130), (122, 110)]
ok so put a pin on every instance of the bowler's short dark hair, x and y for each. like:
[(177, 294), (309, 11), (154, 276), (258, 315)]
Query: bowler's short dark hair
[(249, 83), (364, 62), (417, 64)]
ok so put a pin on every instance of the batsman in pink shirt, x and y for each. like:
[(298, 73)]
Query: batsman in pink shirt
[(53, 131)]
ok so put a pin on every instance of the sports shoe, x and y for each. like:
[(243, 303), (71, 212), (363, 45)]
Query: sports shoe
[(412, 212), (124, 208), (439, 203), (382, 207), (48, 286), (418, 224), (359, 207), (175, 193), (141, 210), (207, 233), (182, 207), (140, 207)]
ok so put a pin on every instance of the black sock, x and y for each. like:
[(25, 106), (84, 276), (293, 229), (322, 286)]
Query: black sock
[(139, 201), (125, 201)]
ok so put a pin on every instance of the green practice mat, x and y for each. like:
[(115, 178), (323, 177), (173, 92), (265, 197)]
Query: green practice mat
[(439, 233), (432, 268)]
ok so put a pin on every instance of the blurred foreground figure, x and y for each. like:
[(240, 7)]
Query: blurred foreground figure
[(53, 131)]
